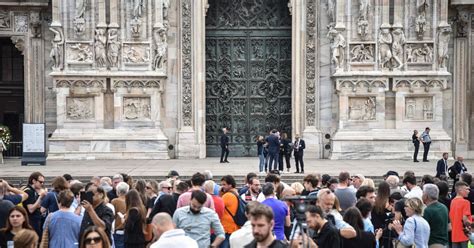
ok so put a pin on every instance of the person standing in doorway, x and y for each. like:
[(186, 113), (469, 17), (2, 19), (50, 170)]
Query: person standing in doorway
[(416, 142), (224, 145), (426, 139), (299, 147), (273, 142)]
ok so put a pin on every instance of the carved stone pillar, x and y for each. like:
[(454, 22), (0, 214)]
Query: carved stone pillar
[(36, 77), (460, 87)]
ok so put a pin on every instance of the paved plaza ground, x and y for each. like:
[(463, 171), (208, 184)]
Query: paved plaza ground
[(237, 167)]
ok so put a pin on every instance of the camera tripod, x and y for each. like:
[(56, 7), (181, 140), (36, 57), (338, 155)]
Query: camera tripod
[(298, 226)]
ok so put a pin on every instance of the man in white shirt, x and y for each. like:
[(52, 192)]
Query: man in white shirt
[(254, 192), (244, 236), (415, 190), (168, 235)]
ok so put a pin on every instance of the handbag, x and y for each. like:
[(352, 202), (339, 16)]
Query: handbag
[(45, 237)]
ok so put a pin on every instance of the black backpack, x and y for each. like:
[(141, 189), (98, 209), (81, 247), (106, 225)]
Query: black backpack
[(239, 217)]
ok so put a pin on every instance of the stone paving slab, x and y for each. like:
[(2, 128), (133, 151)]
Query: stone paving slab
[(237, 167)]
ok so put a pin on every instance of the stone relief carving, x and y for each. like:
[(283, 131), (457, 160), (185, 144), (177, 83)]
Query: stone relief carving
[(363, 21), (338, 43), (57, 48), (417, 53), (397, 46), (21, 23), (99, 47), (79, 18), (136, 53), (113, 48), (136, 108), (161, 46), (444, 35), (310, 63), (420, 22), (79, 52), (35, 21), (361, 85), (385, 52), (80, 108), (138, 8), (141, 84), (186, 107), (4, 19), (425, 84), (419, 108), (362, 108), (166, 6), (331, 11), (462, 23), (362, 53), (81, 83), (19, 42), (135, 27)]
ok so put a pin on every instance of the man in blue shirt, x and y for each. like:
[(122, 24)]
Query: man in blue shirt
[(280, 211), (426, 139)]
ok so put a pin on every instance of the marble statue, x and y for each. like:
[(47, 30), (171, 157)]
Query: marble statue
[(362, 53), (160, 48), (100, 43), (80, 8), (408, 52), (385, 53), (113, 47), (444, 35), (166, 6), (35, 22), (138, 8), (56, 53), (364, 9), (337, 48), (420, 22), (397, 46), (4, 19), (331, 10)]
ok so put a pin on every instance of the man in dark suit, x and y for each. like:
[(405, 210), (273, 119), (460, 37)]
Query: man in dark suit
[(224, 145), (442, 166), (299, 147), (273, 141)]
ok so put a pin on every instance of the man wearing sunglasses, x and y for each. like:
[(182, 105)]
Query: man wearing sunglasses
[(32, 204)]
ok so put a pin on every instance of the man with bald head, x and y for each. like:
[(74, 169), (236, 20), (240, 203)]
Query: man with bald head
[(326, 199), (168, 235)]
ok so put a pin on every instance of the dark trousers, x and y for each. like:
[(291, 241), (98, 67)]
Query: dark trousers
[(299, 161), (224, 151), (273, 158), (426, 149), (417, 147), (287, 160)]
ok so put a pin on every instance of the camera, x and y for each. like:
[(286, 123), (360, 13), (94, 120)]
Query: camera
[(389, 218), (301, 204)]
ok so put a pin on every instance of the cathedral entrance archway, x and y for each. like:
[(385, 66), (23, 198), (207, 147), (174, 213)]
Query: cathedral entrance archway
[(248, 72)]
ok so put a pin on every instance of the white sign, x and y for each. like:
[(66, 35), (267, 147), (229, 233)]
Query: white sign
[(33, 138)]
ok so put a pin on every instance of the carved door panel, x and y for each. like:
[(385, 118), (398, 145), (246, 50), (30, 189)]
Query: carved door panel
[(248, 72)]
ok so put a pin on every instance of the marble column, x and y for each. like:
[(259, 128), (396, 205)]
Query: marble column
[(56, 8), (36, 81), (341, 11), (385, 14), (114, 14), (101, 11)]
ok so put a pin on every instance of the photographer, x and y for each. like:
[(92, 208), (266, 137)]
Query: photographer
[(416, 230)]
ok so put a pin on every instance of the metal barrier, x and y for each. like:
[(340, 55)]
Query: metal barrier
[(15, 150)]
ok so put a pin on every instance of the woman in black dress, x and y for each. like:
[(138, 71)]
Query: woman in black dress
[(135, 223), (416, 142)]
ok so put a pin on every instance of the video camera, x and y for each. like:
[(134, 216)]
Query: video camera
[(301, 203)]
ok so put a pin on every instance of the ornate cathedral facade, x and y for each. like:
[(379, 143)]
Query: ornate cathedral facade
[(159, 79)]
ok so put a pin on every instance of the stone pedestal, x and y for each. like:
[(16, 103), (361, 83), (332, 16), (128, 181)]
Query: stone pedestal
[(385, 144)]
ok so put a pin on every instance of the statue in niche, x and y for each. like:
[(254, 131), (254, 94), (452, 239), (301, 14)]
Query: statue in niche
[(444, 35), (79, 21), (4, 19), (160, 47), (363, 22), (331, 11), (100, 43), (420, 22), (369, 109), (337, 48), (362, 53), (57, 47), (113, 47), (135, 27), (35, 21), (138, 8), (408, 52), (397, 46), (385, 53)]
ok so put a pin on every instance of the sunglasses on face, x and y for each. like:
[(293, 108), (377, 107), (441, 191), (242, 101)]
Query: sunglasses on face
[(41, 182), (95, 239), (148, 187)]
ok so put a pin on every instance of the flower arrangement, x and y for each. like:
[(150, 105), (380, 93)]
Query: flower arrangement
[(5, 135)]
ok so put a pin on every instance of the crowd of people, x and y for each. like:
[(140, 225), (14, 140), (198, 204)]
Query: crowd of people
[(321, 211)]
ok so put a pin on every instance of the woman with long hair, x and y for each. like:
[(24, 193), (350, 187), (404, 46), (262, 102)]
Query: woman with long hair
[(135, 222), (17, 221), (382, 214), (140, 186), (353, 217), (94, 237), (26, 238)]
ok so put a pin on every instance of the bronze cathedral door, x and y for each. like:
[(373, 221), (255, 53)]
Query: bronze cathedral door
[(248, 72)]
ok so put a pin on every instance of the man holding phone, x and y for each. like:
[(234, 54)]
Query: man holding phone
[(97, 213)]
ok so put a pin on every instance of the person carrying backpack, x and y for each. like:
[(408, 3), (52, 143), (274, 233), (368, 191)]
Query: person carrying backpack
[(234, 213)]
